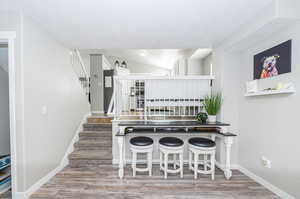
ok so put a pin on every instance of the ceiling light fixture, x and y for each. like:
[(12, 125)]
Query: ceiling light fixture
[(143, 54)]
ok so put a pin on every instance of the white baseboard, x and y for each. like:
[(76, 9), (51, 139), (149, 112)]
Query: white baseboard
[(98, 112), (266, 184), (26, 194), (222, 166), (64, 162)]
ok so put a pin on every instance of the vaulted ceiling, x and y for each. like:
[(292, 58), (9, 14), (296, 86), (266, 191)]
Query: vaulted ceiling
[(92, 24), (164, 58)]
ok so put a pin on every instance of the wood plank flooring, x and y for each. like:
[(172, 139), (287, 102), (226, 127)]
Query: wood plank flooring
[(103, 182)]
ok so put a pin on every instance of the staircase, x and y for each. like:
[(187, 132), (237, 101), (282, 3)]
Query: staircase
[(94, 147)]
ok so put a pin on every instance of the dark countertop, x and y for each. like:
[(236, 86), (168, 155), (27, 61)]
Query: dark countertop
[(171, 123), (181, 127)]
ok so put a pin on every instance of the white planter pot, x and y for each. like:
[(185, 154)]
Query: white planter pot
[(212, 119)]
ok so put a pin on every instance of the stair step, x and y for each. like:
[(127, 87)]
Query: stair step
[(107, 139), (91, 155), (95, 134), (97, 127), (99, 119), (88, 163), (93, 144), (83, 147)]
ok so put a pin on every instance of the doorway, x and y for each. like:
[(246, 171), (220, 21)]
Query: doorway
[(7, 115), (5, 177)]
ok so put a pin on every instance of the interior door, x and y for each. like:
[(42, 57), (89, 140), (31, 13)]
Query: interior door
[(108, 87), (96, 89)]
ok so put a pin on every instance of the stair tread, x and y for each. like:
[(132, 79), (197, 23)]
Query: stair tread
[(94, 147), (97, 127), (88, 163), (100, 139), (91, 155), (95, 134), (99, 132), (94, 141), (97, 124)]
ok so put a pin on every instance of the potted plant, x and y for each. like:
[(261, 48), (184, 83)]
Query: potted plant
[(202, 117), (212, 104)]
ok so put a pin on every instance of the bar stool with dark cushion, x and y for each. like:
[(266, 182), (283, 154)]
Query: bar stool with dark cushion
[(171, 146), (141, 145), (206, 147)]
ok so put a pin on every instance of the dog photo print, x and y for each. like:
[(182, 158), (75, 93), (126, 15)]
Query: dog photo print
[(274, 61)]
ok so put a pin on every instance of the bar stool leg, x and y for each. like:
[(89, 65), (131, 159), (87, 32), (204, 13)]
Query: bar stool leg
[(174, 160), (190, 160), (205, 162), (160, 160), (166, 164), (134, 163), (150, 163), (181, 164), (196, 156), (212, 160)]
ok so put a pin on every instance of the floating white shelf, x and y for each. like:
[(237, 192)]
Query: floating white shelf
[(271, 92)]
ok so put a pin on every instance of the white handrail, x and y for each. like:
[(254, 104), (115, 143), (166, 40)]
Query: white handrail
[(81, 63), (83, 76)]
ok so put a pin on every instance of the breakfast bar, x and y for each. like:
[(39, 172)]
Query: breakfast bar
[(193, 128)]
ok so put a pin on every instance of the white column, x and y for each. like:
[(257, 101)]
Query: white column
[(121, 142), (121, 157), (228, 141)]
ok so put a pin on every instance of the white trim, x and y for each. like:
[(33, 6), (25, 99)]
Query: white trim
[(64, 162), (266, 184), (222, 166), (10, 36), (143, 77), (26, 194), (7, 35), (97, 112)]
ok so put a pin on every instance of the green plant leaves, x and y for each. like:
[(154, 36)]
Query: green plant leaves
[(212, 103)]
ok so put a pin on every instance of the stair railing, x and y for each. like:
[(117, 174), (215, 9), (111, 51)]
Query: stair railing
[(80, 70)]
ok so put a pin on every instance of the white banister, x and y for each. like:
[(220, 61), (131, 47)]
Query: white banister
[(81, 63), (165, 97), (80, 70)]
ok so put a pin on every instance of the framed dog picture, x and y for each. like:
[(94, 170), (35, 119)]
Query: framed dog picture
[(274, 61)]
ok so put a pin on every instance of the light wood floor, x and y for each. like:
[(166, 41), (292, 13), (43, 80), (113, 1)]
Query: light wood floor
[(103, 182)]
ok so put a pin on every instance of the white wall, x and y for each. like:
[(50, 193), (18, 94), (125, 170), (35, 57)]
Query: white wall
[(44, 77), (266, 125), (206, 64), (11, 21), (136, 67), (194, 67), (270, 123), (48, 81)]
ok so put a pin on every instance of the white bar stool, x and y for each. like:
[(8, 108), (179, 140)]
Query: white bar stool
[(141, 145), (206, 147), (174, 147)]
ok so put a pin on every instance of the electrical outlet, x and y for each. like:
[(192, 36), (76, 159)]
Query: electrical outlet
[(265, 162)]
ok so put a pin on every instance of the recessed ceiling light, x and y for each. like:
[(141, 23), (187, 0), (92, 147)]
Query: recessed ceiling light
[(143, 54)]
